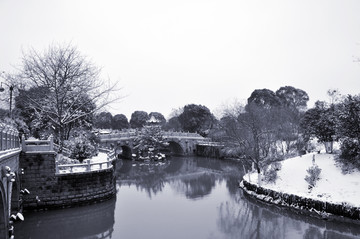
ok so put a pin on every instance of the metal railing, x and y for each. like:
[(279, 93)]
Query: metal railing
[(9, 137)]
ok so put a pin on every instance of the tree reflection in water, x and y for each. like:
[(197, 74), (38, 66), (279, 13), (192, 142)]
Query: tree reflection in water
[(196, 185), (246, 217), (190, 176), (200, 198), (145, 176)]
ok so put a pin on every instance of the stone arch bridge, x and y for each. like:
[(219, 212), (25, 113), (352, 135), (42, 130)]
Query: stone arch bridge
[(180, 143)]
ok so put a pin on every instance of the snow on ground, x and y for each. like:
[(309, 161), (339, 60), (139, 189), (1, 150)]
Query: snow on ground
[(101, 157), (333, 186)]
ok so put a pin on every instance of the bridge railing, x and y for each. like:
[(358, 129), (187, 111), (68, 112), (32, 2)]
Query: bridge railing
[(181, 134), (64, 151), (210, 143), (164, 133), (9, 137), (88, 166), (118, 135), (35, 145)]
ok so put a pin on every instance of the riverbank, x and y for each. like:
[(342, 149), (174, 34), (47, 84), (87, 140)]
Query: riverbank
[(334, 193)]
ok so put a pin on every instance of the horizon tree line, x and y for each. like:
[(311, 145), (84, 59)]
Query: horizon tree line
[(59, 92)]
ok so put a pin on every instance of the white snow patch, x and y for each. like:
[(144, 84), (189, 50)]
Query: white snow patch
[(95, 161), (333, 186)]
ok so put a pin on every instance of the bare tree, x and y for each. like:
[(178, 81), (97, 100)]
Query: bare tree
[(251, 133), (73, 86)]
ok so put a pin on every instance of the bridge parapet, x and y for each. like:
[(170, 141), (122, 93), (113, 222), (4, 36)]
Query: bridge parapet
[(38, 145), (181, 134), (9, 171), (118, 135), (88, 166), (9, 137), (165, 134)]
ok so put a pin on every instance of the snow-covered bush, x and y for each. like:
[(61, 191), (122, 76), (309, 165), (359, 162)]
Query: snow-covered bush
[(313, 175), (81, 148), (270, 175), (350, 149)]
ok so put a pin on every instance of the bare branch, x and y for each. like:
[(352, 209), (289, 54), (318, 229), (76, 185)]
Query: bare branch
[(74, 87)]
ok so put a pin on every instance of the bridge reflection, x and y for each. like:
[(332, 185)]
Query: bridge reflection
[(192, 177), (238, 216)]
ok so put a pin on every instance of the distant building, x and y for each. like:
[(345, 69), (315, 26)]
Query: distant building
[(153, 121)]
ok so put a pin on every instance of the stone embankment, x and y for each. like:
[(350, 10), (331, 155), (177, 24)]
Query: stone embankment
[(51, 189), (325, 210)]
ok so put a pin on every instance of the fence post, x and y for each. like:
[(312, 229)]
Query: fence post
[(10, 138), (17, 141), (13, 139), (108, 162), (88, 165), (57, 167), (4, 139), (7, 139), (23, 145), (51, 142)]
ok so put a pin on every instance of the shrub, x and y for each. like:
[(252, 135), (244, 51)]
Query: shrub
[(270, 175), (313, 175), (350, 150), (82, 149)]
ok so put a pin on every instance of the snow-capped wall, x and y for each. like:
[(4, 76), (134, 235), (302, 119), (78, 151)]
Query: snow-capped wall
[(48, 190)]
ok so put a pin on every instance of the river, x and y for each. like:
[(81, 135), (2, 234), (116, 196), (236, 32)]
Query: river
[(183, 197)]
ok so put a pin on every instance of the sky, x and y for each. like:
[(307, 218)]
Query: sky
[(165, 54)]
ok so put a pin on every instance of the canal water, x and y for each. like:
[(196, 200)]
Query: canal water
[(184, 197)]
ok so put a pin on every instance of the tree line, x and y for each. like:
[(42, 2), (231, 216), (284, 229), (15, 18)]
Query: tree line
[(59, 91), (190, 118)]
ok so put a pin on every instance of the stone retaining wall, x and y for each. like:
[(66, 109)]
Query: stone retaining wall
[(320, 207), (209, 151), (50, 190)]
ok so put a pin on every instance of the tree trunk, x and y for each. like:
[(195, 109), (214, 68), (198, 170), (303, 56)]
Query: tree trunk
[(329, 147)]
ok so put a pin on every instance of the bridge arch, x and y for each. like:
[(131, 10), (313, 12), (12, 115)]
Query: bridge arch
[(124, 151), (176, 148)]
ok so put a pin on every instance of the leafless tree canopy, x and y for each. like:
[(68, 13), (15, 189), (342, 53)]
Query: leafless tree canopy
[(72, 84)]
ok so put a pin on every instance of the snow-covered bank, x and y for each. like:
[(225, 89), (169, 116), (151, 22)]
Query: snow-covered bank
[(333, 187)]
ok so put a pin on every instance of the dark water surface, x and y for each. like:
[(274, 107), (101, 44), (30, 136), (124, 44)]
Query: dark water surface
[(181, 198)]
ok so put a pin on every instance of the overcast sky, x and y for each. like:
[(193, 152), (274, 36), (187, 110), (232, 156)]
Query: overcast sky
[(167, 54)]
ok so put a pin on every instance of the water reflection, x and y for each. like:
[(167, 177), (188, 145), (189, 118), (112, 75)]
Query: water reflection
[(250, 219), (237, 216), (195, 186), (181, 198), (192, 177), (149, 177), (92, 221)]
